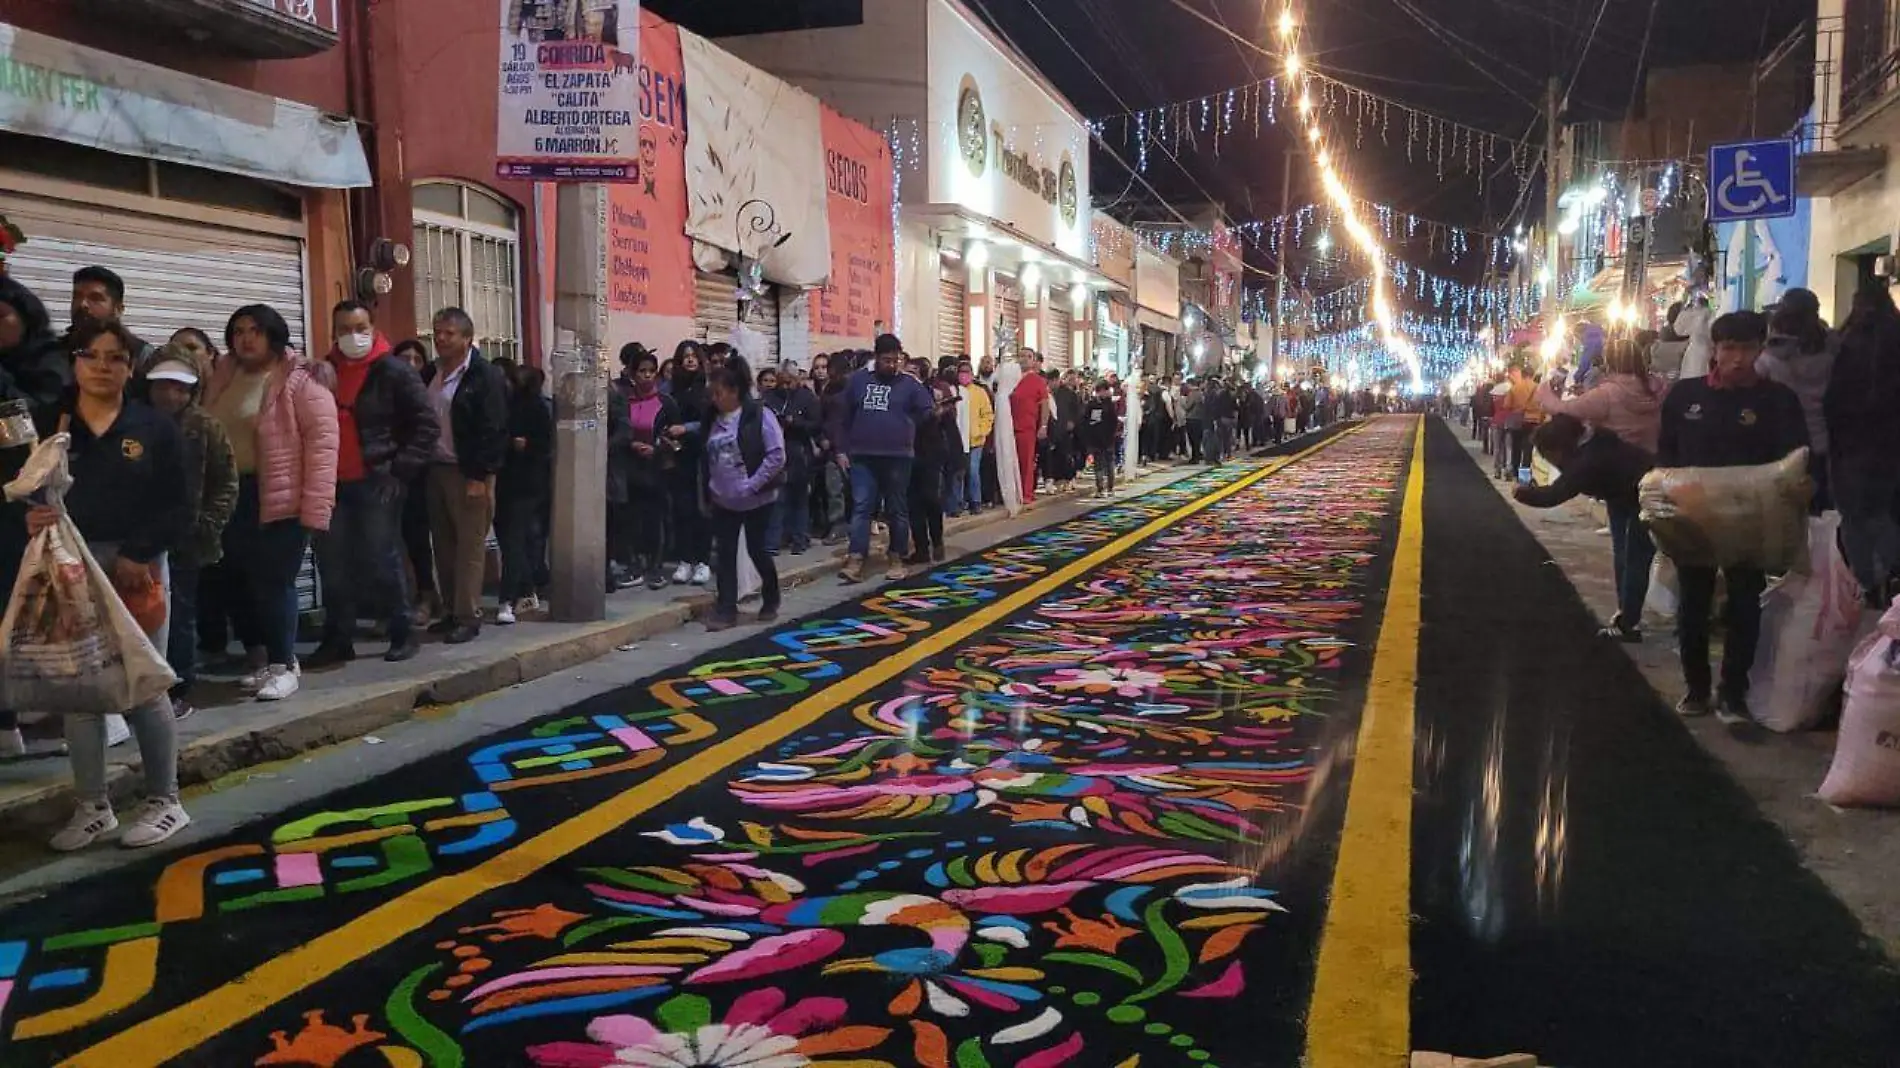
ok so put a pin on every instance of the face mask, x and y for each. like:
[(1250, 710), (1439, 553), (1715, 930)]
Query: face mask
[(356, 346)]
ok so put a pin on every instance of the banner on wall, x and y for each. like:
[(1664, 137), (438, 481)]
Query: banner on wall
[(861, 290), (753, 147), (650, 260), (569, 90)]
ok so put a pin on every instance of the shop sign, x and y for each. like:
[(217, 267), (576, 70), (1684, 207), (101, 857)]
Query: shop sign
[(569, 90), (319, 13), (860, 291), (66, 92), (1055, 185)]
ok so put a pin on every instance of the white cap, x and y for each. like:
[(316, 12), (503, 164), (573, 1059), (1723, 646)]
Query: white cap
[(173, 371)]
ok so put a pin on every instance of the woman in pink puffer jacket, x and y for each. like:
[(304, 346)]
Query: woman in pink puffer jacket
[(283, 427), (1627, 401)]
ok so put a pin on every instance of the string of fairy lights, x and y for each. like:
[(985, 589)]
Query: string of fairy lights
[(1385, 317)]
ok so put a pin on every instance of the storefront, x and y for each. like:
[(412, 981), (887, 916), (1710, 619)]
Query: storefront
[(1157, 310), (1113, 312), (993, 248), (226, 215)]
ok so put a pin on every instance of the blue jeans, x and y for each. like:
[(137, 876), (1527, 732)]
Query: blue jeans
[(971, 494), (181, 644), (266, 557), (789, 526), (879, 480), (1632, 551)]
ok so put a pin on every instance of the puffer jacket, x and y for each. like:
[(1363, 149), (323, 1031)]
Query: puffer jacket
[(297, 442), (1807, 373), (1623, 404)]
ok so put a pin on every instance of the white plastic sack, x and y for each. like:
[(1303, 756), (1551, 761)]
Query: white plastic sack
[(68, 645), (750, 583), (1809, 623), (1663, 596), (1866, 768), (1730, 516)]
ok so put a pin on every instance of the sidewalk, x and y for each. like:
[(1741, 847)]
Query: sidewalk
[(231, 733), (1855, 852)]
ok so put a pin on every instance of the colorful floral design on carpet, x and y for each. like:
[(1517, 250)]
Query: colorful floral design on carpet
[(1027, 853)]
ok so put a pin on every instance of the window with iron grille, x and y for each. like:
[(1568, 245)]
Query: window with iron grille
[(468, 254)]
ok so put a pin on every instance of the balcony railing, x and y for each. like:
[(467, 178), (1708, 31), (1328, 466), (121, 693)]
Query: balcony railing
[(1870, 55), (254, 29)]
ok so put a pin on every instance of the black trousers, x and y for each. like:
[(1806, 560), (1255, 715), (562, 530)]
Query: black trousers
[(926, 506), (1195, 428), (726, 526), (1741, 620)]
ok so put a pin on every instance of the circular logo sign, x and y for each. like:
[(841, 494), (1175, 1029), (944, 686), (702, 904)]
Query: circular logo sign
[(1068, 198), (973, 128)]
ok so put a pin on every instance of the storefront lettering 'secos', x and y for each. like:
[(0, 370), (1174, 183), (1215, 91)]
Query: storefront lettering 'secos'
[(974, 133)]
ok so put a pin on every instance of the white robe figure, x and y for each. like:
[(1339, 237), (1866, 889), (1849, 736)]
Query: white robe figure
[(1009, 477), (1131, 424)]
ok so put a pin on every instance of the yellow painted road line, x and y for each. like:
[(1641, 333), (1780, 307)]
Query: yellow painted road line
[(179, 1030), (1361, 1013)]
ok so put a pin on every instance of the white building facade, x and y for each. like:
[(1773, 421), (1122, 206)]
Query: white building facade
[(994, 247)]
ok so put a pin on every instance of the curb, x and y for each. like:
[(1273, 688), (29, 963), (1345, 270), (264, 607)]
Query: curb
[(207, 758)]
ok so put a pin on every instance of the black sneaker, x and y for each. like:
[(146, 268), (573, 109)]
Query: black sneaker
[(1616, 631), (464, 633), (329, 655), (1692, 706), (445, 625), (1734, 711), (656, 580), (768, 615), (403, 649)]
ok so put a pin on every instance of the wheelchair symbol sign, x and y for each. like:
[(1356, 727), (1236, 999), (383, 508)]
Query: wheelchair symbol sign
[(1751, 180)]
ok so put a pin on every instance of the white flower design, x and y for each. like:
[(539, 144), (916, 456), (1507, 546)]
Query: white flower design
[(717, 1046)]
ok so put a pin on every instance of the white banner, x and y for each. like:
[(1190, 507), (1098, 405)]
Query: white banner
[(569, 91), (53, 88), (755, 166)]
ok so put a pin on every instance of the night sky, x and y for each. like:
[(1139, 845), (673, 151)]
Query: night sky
[(1481, 62)]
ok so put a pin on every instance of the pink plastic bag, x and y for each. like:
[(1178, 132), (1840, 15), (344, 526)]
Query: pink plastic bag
[(1866, 768)]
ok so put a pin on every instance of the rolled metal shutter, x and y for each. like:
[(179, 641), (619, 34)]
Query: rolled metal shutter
[(953, 317), (1060, 326), (1006, 298), (716, 311), (177, 274)]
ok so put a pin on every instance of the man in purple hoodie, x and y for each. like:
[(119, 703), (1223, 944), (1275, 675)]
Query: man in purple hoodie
[(882, 408)]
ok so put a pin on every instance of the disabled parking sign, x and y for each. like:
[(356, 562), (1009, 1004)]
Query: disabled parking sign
[(1751, 180)]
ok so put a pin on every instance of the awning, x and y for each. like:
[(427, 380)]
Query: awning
[(1009, 249), (1154, 320), (67, 92), (1607, 285)]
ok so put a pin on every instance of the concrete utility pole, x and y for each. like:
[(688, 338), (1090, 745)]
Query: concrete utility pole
[(577, 547), (1279, 285), (1553, 188)]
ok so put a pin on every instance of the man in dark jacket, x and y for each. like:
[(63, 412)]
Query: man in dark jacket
[(1597, 463), (1731, 418), (1101, 425), (388, 436), (36, 370), (470, 400), (800, 420), (882, 408), (99, 297)]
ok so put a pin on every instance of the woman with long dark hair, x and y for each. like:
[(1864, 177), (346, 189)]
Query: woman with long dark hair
[(1862, 406), (522, 491), (741, 470), (691, 539), (640, 462), (283, 428)]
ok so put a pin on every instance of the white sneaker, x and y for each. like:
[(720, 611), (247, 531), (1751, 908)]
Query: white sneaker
[(254, 681), (505, 615), (281, 683), (702, 575), (117, 733), (682, 574), (156, 820), (89, 822)]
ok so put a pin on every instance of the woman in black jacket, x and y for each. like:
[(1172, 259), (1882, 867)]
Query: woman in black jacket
[(692, 541), (36, 371), (522, 491), (641, 454), (799, 419), (926, 471)]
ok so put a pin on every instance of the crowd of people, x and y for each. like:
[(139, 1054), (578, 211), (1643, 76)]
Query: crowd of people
[(1752, 390)]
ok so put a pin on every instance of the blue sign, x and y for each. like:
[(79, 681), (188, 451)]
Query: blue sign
[(1751, 180)]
